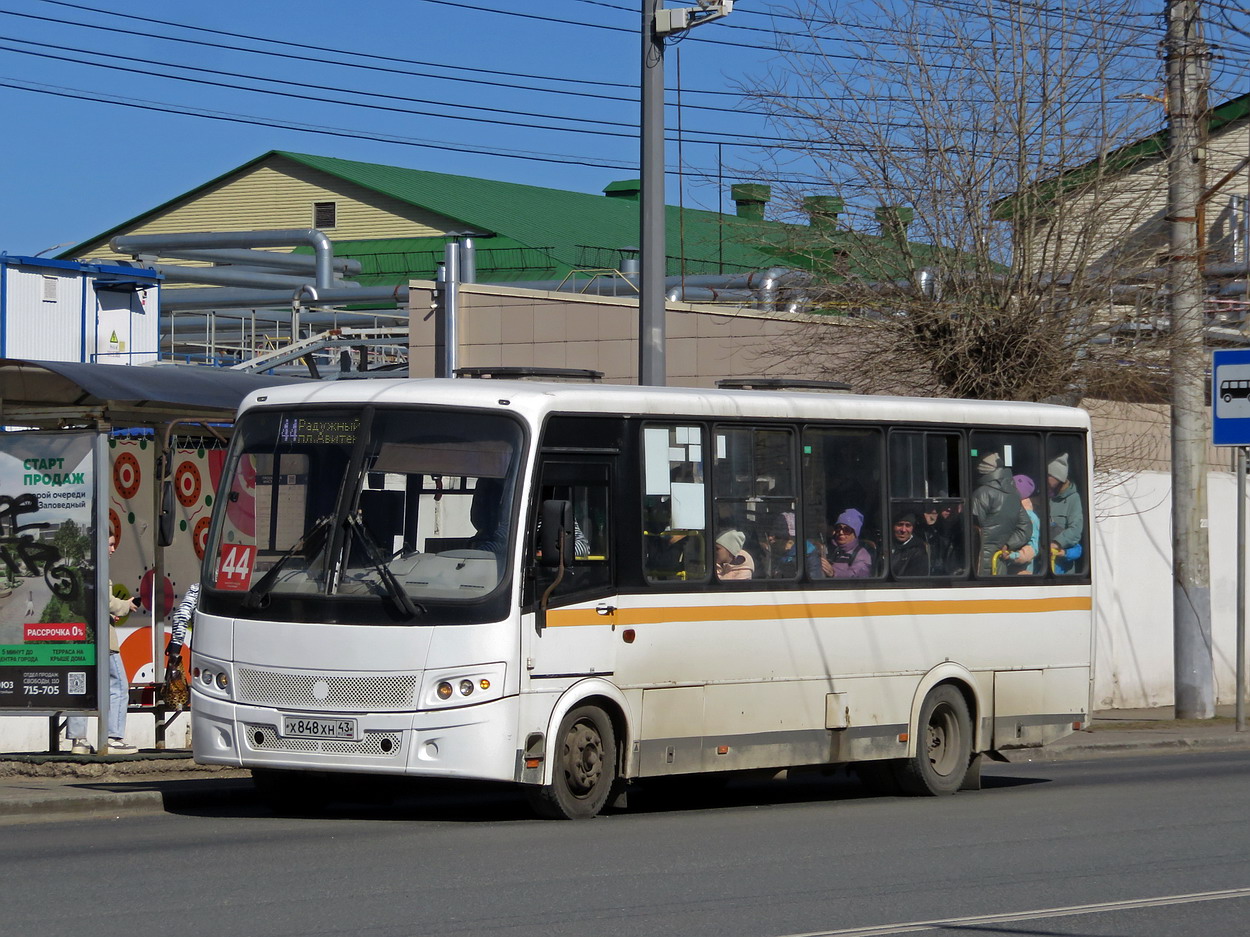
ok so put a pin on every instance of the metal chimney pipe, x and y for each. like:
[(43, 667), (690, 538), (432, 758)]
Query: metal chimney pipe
[(468, 261)]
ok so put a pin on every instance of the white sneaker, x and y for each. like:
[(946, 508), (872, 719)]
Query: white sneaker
[(80, 747), (120, 747)]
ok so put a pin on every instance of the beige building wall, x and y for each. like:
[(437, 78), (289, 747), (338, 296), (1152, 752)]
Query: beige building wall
[(1125, 213), (506, 327), (280, 193)]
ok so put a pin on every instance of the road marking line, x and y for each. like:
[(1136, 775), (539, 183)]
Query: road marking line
[(881, 930)]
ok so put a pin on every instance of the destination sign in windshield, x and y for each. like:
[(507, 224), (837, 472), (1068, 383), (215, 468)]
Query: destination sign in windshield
[(302, 430)]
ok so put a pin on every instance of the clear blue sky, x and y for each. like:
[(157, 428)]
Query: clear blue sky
[(537, 93), (75, 165)]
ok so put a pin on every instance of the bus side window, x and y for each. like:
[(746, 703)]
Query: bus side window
[(926, 484), (753, 493), (586, 486), (1066, 534), (843, 490), (1005, 505), (674, 505)]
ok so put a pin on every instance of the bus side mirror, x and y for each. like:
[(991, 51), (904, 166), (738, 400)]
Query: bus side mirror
[(556, 536), (165, 523)]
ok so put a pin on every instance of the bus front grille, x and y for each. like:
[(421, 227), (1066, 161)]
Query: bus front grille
[(327, 692), (265, 739)]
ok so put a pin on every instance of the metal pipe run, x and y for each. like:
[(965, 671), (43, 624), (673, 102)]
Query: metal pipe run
[(231, 298), (136, 244), (304, 263)]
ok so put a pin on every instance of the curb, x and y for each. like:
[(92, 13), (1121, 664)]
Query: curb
[(32, 800), (1084, 750)]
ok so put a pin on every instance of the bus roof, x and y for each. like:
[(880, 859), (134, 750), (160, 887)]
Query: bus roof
[(533, 400)]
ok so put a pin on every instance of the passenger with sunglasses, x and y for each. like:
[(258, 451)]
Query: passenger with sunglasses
[(848, 558)]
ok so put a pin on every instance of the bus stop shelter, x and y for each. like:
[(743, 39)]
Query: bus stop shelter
[(51, 407)]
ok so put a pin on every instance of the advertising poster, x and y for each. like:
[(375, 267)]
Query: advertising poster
[(47, 562), (194, 472)]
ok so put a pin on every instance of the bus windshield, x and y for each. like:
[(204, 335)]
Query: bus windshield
[(392, 508)]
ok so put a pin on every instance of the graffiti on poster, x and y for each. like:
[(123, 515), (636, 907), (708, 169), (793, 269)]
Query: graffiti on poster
[(47, 571)]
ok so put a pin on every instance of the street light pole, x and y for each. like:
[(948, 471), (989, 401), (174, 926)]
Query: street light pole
[(1193, 665), (652, 251), (658, 23)]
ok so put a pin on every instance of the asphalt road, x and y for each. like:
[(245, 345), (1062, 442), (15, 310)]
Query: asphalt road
[(1133, 847)]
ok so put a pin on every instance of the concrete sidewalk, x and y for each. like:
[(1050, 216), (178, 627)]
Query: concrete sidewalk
[(42, 786)]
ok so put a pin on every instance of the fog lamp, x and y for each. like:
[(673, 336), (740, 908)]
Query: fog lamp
[(444, 690)]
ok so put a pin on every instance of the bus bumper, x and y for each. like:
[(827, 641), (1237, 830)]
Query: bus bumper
[(466, 742)]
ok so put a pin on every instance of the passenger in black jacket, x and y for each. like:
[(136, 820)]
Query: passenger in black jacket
[(1003, 523), (908, 554)]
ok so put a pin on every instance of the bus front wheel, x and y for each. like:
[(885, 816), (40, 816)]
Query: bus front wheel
[(943, 748), (585, 767)]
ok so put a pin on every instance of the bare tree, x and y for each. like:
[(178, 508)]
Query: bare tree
[(1010, 257)]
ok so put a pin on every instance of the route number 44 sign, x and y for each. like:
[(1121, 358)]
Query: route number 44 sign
[(234, 566)]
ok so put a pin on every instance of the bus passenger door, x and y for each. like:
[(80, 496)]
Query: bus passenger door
[(572, 636)]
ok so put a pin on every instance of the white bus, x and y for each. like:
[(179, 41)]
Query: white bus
[(575, 587)]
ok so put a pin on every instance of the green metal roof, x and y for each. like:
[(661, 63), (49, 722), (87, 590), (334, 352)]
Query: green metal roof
[(568, 226), (534, 233)]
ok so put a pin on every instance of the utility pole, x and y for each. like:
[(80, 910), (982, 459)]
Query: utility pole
[(1193, 664), (657, 24)]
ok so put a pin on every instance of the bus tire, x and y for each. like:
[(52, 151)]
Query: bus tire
[(943, 747), (584, 770)]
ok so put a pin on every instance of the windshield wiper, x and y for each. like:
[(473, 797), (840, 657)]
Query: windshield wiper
[(310, 545), (374, 556)]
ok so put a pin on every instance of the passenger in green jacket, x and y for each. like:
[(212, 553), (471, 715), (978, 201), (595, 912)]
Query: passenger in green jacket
[(1067, 516)]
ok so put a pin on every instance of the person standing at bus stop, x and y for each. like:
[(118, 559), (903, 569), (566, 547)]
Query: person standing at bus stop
[(119, 687)]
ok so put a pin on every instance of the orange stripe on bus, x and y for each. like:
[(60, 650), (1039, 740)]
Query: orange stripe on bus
[(650, 616)]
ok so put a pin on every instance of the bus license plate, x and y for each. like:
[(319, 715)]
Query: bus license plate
[(306, 727)]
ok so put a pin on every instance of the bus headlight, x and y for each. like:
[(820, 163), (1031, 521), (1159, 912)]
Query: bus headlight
[(464, 686), (211, 677)]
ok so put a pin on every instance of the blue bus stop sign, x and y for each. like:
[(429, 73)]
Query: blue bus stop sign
[(1230, 397)]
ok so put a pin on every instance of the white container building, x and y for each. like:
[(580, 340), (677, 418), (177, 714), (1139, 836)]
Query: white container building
[(64, 310)]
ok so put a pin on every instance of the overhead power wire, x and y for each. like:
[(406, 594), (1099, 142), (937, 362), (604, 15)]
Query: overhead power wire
[(320, 59), (630, 134), (320, 130), (183, 110)]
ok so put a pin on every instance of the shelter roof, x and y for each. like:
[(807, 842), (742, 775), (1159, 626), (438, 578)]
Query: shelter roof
[(74, 393)]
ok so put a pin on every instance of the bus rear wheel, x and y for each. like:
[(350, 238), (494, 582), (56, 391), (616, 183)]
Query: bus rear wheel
[(584, 770), (944, 746)]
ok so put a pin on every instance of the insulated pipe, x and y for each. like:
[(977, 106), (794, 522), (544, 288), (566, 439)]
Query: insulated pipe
[(450, 304), (230, 298), (135, 244), (193, 299), (701, 294), (305, 263), (238, 276)]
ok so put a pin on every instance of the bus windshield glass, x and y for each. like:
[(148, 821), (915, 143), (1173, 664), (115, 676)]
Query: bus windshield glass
[(401, 509)]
